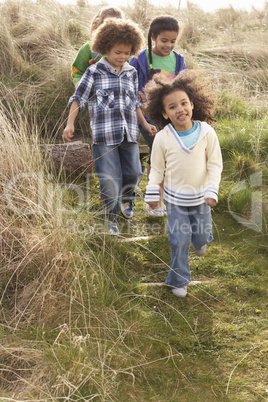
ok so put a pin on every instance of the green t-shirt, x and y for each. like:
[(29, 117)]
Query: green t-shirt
[(165, 64), (84, 58)]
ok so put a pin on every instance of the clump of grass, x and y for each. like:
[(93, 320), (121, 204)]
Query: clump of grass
[(228, 18), (232, 106), (37, 51), (22, 366), (244, 166), (243, 137), (195, 22), (141, 13), (233, 68), (240, 203), (12, 63)]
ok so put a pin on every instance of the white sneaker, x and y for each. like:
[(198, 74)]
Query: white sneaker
[(155, 212), (201, 251), (180, 292)]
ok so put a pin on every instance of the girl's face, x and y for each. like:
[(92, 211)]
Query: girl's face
[(179, 110), (118, 55), (164, 42)]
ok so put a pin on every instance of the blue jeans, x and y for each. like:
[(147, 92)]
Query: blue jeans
[(186, 225), (148, 138), (119, 171)]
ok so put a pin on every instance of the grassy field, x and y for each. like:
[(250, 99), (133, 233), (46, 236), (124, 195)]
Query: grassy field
[(80, 319)]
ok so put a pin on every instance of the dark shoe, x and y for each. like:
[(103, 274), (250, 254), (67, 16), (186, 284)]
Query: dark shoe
[(113, 229), (127, 209)]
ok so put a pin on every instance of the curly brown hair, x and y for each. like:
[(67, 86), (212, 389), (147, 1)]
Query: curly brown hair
[(193, 83), (116, 32)]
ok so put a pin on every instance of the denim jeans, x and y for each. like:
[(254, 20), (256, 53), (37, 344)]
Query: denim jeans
[(148, 138), (186, 225), (119, 171)]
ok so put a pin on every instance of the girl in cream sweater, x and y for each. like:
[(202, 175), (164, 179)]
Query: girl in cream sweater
[(186, 154)]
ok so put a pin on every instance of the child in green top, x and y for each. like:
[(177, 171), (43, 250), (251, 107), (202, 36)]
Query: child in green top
[(158, 58), (85, 56)]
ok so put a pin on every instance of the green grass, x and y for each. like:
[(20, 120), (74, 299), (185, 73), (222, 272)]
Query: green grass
[(111, 336), (78, 321)]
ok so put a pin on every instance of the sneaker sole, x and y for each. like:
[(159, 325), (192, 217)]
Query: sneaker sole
[(155, 212), (126, 216)]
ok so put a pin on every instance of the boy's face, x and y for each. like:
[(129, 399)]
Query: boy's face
[(164, 42), (179, 110), (118, 55)]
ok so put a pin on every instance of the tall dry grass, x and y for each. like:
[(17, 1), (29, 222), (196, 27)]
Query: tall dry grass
[(62, 332), (230, 46), (65, 331), (39, 42), (38, 47), (43, 273)]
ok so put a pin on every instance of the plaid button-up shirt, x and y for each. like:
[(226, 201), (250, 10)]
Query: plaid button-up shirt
[(112, 99)]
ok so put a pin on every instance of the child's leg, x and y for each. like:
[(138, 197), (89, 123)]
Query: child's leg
[(132, 171), (149, 141), (179, 234), (108, 169), (201, 224)]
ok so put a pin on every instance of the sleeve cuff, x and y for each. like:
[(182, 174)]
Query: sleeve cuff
[(78, 100), (211, 192), (152, 193)]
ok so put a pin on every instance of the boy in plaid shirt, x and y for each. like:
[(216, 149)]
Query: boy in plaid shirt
[(110, 87)]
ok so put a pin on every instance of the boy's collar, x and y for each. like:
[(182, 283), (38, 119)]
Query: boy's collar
[(125, 67)]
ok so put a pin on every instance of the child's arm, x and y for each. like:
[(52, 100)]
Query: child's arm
[(68, 132), (157, 173), (77, 103), (214, 168), (148, 127)]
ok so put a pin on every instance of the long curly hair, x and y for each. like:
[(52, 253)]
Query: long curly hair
[(116, 31), (195, 85)]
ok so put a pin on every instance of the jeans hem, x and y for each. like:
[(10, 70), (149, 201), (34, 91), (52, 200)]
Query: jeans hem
[(177, 286)]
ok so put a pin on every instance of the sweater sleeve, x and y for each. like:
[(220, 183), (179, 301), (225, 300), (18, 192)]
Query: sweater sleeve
[(214, 165), (81, 62), (157, 170)]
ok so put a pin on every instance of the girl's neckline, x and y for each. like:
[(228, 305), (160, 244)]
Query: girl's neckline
[(161, 55)]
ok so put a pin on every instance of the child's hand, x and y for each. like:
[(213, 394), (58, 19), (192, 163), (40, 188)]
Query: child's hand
[(151, 129), (153, 205), (68, 132), (211, 202), (142, 97)]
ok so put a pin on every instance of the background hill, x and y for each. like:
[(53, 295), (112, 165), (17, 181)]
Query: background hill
[(79, 320)]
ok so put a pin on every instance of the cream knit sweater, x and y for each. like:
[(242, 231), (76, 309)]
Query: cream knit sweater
[(190, 174)]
